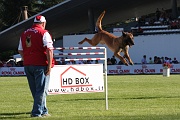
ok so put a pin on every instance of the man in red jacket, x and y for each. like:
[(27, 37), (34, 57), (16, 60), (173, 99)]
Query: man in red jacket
[(36, 49)]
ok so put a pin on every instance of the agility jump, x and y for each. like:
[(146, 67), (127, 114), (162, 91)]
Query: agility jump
[(76, 78)]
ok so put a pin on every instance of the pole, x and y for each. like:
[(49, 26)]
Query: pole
[(105, 70), (24, 10)]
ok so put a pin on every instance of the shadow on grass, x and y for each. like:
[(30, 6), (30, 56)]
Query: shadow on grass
[(158, 97), (13, 115), (89, 99), (129, 117), (145, 97)]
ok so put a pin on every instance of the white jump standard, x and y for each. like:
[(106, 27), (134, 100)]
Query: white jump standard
[(80, 78)]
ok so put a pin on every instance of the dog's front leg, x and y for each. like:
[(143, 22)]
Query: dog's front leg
[(128, 57), (121, 58)]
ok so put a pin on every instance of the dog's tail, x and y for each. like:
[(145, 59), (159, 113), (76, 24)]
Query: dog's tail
[(98, 22)]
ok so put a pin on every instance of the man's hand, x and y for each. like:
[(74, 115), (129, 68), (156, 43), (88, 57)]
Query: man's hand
[(49, 58), (48, 71)]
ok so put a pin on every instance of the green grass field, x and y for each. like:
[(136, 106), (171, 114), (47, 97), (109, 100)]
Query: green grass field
[(131, 97)]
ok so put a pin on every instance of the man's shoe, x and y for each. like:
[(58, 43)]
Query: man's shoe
[(35, 116), (45, 115)]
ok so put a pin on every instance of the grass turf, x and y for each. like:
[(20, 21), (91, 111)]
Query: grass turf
[(131, 97)]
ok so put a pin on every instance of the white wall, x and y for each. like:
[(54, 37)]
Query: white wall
[(156, 45), (149, 45)]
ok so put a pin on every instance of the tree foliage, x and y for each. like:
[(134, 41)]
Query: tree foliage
[(50, 3), (10, 10), (10, 14)]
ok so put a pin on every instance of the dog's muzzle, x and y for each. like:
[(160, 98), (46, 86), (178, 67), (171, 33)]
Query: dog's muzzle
[(129, 42)]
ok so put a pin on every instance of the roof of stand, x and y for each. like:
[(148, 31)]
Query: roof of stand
[(71, 16)]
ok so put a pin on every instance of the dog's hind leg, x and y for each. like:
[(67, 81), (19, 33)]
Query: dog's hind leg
[(81, 42), (91, 42), (94, 41)]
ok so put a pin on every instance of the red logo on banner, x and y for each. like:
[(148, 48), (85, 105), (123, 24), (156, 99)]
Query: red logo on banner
[(118, 67), (12, 69), (80, 79), (144, 66)]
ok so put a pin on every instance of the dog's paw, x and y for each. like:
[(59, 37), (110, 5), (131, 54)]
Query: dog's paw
[(126, 64), (131, 63), (79, 43)]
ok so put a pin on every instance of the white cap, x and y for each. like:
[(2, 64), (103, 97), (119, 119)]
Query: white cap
[(39, 18)]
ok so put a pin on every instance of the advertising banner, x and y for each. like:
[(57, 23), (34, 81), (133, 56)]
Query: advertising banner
[(70, 79), (12, 71), (141, 69), (111, 69)]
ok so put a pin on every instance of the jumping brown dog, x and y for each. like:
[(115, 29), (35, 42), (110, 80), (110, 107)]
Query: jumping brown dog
[(114, 43)]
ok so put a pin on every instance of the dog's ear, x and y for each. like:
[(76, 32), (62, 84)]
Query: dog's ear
[(130, 32), (124, 34)]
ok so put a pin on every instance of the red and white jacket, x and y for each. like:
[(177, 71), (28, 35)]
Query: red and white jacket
[(34, 42)]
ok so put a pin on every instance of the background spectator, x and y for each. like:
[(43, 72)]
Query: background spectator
[(150, 61), (175, 61), (113, 60), (166, 60), (109, 61), (155, 60), (162, 59), (96, 61), (120, 63), (159, 60), (144, 61)]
